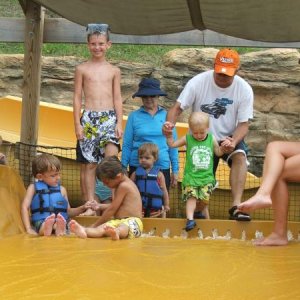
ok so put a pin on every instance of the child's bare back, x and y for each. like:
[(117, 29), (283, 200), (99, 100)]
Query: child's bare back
[(131, 204)]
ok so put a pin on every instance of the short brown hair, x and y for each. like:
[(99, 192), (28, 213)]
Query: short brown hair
[(43, 163), (149, 148), (109, 168)]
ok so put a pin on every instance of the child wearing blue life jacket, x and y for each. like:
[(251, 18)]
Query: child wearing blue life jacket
[(198, 179), (45, 207), (151, 182)]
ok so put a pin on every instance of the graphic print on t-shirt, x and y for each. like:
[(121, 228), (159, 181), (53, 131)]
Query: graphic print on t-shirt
[(201, 157), (217, 108)]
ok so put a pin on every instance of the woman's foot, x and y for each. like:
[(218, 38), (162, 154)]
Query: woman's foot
[(77, 229), (48, 225), (255, 202), (60, 228), (272, 240)]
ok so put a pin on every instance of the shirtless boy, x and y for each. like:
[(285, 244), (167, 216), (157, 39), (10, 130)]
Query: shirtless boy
[(126, 206), (99, 127)]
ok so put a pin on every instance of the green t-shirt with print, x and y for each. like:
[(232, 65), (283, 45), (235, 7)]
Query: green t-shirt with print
[(199, 163)]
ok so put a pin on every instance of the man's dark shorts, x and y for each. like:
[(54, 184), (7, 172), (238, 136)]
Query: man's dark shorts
[(240, 147)]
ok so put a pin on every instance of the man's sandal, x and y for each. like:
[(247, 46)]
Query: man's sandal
[(235, 214)]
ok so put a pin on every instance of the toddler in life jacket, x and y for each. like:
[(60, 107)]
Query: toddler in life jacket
[(151, 182), (45, 208)]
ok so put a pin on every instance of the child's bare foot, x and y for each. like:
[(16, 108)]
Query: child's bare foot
[(60, 225), (255, 202), (48, 225), (77, 229), (89, 212), (112, 232), (272, 240)]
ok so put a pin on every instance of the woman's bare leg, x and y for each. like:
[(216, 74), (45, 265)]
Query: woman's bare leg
[(276, 154), (280, 199)]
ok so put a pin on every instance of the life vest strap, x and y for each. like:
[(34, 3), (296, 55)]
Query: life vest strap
[(49, 209), (145, 177), (151, 196), (47, 191)]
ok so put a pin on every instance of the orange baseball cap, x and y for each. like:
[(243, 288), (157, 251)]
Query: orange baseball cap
[(227, 61)]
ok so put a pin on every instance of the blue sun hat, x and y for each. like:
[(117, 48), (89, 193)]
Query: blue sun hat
[(149, 87)]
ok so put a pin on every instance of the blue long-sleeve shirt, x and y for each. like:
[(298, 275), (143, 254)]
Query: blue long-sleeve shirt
[(142, 127)]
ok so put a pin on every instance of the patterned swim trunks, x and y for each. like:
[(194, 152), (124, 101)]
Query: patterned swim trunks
[(135, 225), (99, 130), (199, 192)]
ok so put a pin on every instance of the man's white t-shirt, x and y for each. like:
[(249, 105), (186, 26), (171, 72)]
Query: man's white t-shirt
[(226, 106)]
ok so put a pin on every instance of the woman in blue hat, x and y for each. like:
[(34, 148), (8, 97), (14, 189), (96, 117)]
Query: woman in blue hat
[(144, 126)]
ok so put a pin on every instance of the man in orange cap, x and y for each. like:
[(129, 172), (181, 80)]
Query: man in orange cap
[(228, 99)]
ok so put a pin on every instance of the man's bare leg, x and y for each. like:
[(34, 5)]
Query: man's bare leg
[(47, 226), (238, 175), (60, 223)]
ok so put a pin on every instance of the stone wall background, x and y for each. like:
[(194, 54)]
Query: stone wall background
[(274, 75)]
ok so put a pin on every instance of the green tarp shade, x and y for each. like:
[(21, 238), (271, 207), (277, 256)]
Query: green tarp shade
[(258, 20)]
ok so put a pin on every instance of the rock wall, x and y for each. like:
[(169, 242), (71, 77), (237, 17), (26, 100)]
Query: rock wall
[(274, 75)]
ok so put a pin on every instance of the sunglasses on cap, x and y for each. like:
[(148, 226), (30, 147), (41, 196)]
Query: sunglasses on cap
[(97, 28)]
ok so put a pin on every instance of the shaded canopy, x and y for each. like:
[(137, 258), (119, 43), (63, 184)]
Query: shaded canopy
[(258, 20)]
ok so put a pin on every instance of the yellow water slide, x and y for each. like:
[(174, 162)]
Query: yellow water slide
[(56, 129), (215, 261)]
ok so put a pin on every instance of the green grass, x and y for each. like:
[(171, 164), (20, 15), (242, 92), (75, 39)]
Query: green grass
[(131, 53), (150, 54)]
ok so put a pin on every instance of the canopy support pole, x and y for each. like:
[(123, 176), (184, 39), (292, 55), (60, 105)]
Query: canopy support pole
[(31, 85)]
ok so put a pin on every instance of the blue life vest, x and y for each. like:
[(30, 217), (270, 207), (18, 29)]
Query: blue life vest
[(151, 193), (46, 201)]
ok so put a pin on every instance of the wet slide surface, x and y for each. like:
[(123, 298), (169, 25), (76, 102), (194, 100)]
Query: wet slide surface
[(145, 268)]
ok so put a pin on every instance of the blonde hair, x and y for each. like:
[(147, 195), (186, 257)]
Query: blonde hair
[(109, 168), (149, 148), (43, 163), (198, 118)]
